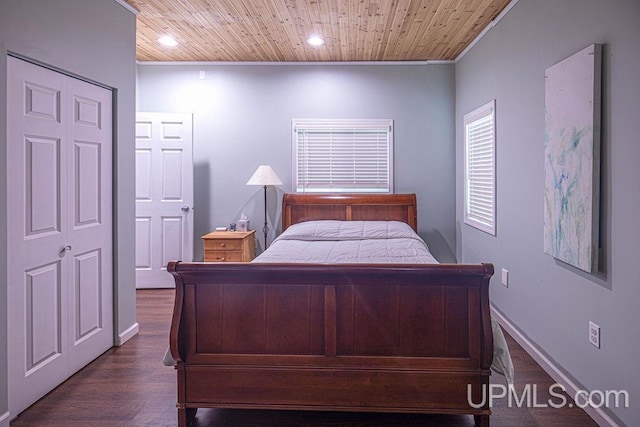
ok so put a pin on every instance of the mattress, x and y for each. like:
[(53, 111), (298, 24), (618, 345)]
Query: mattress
[(344, 242)]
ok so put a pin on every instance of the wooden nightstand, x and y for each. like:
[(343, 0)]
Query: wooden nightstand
[(229, 246)]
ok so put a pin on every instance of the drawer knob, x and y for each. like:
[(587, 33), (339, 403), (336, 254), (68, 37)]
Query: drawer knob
[(222, 245)]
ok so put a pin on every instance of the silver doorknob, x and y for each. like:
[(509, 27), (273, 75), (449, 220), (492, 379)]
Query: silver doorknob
[(67, 248), (185, 209)]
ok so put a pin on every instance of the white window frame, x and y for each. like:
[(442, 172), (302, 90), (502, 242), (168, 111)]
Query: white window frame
[(377, 178), (480, 168)]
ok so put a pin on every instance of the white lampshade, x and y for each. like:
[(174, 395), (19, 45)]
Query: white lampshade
[(264, 175)]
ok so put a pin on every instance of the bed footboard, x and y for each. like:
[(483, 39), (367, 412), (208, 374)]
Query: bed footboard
[(377, 338)]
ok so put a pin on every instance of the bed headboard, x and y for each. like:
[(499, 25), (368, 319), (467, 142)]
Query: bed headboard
[(349, 207)]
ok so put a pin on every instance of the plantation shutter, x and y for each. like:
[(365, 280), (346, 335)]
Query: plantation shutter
[(480, 168), (343, 156)]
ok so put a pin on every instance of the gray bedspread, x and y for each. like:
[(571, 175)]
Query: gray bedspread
[(345, 242)]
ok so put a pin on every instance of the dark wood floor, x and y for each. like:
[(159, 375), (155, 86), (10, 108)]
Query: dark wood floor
[(129, 386)]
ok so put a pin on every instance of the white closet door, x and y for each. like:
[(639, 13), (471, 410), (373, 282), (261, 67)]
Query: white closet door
[(89, 219), (60, 291), (164, 196), (37, 163)]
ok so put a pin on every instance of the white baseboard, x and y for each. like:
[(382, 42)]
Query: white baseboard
[(597, 414), (4, 420), (131, 332)]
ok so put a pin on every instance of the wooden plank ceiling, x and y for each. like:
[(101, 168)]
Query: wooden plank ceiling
[(276, 30)]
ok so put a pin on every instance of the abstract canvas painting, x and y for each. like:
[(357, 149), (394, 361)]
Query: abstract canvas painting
[(572, 159)]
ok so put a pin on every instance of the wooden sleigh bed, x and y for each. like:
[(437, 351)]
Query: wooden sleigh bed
[(408, 338)]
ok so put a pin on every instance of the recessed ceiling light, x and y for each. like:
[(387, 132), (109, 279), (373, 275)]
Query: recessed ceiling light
[(168, 41), (315, 41)]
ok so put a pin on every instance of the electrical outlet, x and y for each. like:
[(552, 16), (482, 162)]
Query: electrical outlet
[(505, 277), (594, 334)]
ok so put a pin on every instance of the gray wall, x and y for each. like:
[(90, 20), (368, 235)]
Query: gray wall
[(94, 39), (549, 302), (242, 118)]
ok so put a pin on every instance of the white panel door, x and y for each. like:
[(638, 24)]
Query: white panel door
[(164, 196), (60, 292), (36, 233), (89, 218)]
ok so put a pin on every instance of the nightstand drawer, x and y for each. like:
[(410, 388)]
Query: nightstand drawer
[(225, 245), (223, 256)]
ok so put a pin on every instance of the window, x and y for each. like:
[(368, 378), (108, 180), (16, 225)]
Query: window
[(342, 156), (480, 168)]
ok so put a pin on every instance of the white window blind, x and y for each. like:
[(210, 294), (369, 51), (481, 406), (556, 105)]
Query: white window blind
[(480, 168), (342, 156)]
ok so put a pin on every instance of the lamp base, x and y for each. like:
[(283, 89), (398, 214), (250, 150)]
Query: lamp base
[(265, 229)]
